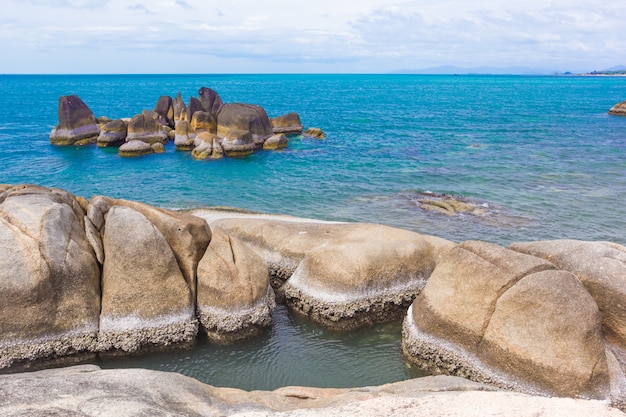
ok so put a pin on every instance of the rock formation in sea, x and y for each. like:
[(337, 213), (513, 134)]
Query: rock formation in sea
[(114, 276), (77, 123), (239, 128), (619, 109)]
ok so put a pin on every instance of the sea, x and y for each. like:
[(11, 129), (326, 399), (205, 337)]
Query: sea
[(538, 157)]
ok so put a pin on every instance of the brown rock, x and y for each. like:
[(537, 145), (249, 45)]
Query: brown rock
[(203, 121), (178, 108), (619, 109), (112, 133), (276, 142), (135, 148), (238, 143), (184, 136), (211, 101), (164, 108), (239, 116), (77, 123), (288, 124), (315, 132), (194, 106), (146, 128)]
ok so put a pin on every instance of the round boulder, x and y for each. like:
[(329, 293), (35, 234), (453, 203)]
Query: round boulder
[(238, 143), (135, 148), (315, 132), (276, 142), (288, 124)]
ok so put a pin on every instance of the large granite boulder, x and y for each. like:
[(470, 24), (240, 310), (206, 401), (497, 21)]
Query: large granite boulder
[(146, 128), (112, 133), (238, 143), (207, 146), (184, 136), (77, 123), (194, 106), (239, 116), (203, 121), (211, 101), (135, 148), (235, 299), (341, 275), (145, 298), (164, 108), (619, 109), (288, 124), (601, 267), (276, 142), (87, 391), (49, 276), (498, 316), (179, 109)]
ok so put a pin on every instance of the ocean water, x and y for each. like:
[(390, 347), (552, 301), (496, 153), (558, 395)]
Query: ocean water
[(539, 156)]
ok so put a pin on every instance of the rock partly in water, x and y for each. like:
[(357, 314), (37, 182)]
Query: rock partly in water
[(203, 121), (164, 108), (135, 148), (448, 204), (77, 123), (235, 299), (147, 129), (184, 136), (238, 143), (619, 109), (49, 276), (247, 117), (275, 142), (112, 133), (288, 124), (315, 132)]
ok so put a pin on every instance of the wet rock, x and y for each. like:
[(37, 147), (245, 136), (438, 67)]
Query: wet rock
[(235, 299), (112, 133), (49, 276), (238, 143), (135, 148), (77, 123), (315, 132), (619, 109), (276, 142), (448, 204), (288, 124)]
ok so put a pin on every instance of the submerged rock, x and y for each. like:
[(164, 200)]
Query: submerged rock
[(77, 123)]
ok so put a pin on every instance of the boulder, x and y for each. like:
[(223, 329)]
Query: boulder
[(158, 147), (217, 151), (49, 276), (211, 101), (341, 275), (164, 108), (276, 142), (288, 124), (194, 106), (482, 315), (203, 150), (238, 143), (112, 133), (203, 121), (619, 109), (239, 116), (315, 132), (601, 267), (145, 298), (235, 299), (179, 109), (135, 148), (146, 128), (77, 123), (184, 136)]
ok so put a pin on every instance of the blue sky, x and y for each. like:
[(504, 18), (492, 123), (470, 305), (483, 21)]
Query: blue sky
[(280, 36)]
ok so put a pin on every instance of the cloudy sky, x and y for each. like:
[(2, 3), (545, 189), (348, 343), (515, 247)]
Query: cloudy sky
[(285, 36)]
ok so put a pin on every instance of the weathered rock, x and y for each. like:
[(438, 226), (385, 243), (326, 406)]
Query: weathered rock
[(164, 108), (211, 101), (217, 150), (238, 143), (184, 137), (276, 142), (207, 146), (178, 108), (89, 391), (145, 298), (112, 133), (315, 132), (77, 123), (235, 299), (135, 148), (239, 116), (203, 150), (288, 124), (49, 277), (203, 121), (158, 147), (146, 128), (482, 315), (619, 109), (601, 267), (194, 106)]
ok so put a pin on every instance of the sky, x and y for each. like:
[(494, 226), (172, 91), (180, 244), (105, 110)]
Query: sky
[(319, 36)]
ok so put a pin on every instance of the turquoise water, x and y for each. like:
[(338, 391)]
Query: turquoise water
[(540, 154)]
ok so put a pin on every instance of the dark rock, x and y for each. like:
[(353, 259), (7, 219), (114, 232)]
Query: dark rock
[(146, 128), (211, 101), (238, 116), (113, 134), (77, 123), (179, 108), (164, 108), (194, 106)]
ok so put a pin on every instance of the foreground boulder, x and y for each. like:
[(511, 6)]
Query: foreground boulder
[(483, 315), (89, 391), (340, 275), (77, 123), (619, 109), (235, 299), (49, 276)]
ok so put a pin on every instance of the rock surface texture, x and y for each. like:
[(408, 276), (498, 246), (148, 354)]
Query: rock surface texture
[(77, 124), (89, 391), (619, 109)]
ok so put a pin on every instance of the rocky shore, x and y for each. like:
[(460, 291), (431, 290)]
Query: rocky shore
[(110, 276)]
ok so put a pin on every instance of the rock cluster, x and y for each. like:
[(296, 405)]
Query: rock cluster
[(237, 129)]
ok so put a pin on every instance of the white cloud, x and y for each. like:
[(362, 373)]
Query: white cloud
[(373, 35)]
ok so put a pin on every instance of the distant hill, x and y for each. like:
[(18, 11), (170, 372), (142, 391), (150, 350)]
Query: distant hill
[(617, 70), (451, 69)]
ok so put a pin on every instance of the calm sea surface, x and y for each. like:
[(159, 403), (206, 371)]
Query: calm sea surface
[(540, 155)]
